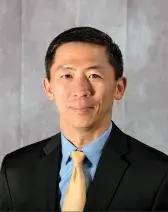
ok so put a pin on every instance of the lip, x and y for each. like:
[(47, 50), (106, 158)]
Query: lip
[(82, 110)]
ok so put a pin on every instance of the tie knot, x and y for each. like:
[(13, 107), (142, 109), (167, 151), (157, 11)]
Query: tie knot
[(77, 157)]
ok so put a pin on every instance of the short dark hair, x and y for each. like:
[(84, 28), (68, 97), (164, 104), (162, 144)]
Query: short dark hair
[(86, 35)]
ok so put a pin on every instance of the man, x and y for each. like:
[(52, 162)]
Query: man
[(91, 164)]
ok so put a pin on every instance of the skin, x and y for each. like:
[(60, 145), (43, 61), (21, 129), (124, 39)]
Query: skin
[(82, 77)]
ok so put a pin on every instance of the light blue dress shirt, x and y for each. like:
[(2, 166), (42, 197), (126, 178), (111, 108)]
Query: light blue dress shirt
[(92, 152)]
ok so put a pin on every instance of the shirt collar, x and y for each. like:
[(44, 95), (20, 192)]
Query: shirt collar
[(92, 150), (67, 148)]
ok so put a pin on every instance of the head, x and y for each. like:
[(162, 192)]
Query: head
[(84, 75)]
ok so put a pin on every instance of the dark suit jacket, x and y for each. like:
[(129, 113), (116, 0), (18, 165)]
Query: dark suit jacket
[(130, 176)]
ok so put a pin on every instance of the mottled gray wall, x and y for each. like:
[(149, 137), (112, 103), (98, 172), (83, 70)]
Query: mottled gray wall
[(27, 27)]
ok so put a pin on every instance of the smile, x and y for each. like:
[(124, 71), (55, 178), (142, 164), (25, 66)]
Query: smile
[(82, 110)]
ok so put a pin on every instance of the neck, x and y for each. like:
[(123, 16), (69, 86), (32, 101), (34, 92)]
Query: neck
[(79, 136)]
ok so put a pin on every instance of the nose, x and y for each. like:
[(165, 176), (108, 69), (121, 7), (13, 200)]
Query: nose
[(82, 88), (82, 93)]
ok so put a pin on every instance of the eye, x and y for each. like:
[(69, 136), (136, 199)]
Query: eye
[(66, 76), (94, 76)]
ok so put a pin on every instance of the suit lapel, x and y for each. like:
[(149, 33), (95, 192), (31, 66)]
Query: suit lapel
[(109, 173), (49, 172)]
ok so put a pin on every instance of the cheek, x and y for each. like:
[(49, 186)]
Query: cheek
[(105, 94), (102, 91), (61, 94)]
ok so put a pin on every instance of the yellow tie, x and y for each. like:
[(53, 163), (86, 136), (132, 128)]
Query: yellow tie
[(75, 196)]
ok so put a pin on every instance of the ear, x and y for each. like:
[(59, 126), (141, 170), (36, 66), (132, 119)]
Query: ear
[(120, 88), (47, 88)]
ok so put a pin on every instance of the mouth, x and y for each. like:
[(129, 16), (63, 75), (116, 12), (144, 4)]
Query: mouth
[(82, 110)]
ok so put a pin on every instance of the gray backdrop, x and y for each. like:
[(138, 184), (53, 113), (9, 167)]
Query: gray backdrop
[(26, 29)]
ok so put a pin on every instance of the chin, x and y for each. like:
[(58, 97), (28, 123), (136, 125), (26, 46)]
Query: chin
[(80, 122)]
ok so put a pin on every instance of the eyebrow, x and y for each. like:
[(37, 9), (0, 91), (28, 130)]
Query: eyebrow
[(62, 67), (97, 67)]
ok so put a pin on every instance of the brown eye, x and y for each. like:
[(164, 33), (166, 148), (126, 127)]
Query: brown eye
[(94, 76), (66, 76)]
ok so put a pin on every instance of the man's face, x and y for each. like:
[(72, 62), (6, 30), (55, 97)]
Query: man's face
[(83, 84)]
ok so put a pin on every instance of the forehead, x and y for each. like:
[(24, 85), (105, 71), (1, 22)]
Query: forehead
[(79, 51)]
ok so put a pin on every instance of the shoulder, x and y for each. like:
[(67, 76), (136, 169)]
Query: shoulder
[(145, 149), (30, 152), (146, 156), (138, 149)]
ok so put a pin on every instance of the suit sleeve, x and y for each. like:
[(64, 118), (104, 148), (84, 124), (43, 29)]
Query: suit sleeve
[(5, 199), (161, 200)]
